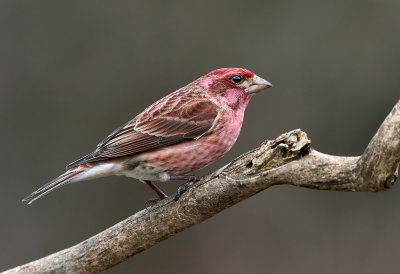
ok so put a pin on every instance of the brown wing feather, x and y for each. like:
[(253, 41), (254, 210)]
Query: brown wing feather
[(186, 121)]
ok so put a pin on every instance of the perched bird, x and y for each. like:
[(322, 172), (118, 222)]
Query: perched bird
[(180, 133)]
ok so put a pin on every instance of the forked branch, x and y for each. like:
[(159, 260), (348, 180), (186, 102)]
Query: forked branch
[(289, 159)]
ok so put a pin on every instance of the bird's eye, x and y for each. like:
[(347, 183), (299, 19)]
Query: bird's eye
[(237, 79)]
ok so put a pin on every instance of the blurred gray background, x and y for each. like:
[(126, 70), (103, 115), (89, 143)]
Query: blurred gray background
[(73, 71)]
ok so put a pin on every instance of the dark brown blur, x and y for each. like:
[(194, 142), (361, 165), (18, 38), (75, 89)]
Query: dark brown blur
[(73, 71)]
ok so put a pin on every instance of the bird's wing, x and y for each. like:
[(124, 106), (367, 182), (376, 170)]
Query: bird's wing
[(157, 127)]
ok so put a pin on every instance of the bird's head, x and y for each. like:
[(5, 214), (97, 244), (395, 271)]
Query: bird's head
[(233, 86)]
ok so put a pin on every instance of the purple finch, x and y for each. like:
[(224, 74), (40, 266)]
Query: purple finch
[(180, 133)]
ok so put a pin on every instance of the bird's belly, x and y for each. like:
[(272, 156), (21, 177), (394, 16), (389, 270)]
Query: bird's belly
[(185, 157)]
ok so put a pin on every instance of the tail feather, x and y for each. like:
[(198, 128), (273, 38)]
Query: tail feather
[(61, 180), (76, 174)]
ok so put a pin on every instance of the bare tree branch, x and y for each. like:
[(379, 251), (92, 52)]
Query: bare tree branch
[(285, 160)]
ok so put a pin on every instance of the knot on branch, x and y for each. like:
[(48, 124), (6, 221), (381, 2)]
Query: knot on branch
[(390, 180), (286, 147), (272, 153)]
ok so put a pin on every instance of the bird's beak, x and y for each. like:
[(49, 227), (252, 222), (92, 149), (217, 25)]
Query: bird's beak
[(257, 84)]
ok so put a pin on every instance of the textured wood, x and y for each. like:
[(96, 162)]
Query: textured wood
[(285, 160)]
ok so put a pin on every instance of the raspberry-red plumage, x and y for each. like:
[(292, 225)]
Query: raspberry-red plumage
[(180, 133)]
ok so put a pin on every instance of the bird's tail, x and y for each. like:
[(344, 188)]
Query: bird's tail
[(79, 173)]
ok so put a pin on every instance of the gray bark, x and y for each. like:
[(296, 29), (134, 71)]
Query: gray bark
[(288, 159)]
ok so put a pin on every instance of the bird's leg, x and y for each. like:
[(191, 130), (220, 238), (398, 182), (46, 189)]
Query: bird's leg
[(159, 192)]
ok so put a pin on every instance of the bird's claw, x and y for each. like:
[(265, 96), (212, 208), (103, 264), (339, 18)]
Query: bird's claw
[(182, 189), (151, 202), (193, 179)]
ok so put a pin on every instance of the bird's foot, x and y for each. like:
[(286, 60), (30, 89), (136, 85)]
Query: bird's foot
[(191, 179), (151, 202), (182, 189)]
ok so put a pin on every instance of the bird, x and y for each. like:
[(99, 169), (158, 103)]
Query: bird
[(185, 131)]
